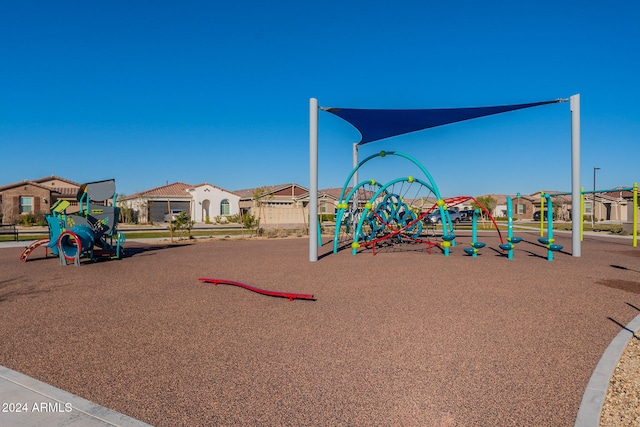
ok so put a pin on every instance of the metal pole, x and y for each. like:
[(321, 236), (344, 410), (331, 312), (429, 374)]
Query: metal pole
[(542, 214), (355, 163), (593, 204), (576, 247), (635, 214), (356, 202), (313, 180), (581, 214)]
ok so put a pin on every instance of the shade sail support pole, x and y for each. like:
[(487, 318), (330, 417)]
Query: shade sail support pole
[(355, 163), (313, 180), (576, 248)]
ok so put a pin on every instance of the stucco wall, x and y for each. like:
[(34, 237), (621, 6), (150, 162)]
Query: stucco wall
[(276, 216), (206, 202)]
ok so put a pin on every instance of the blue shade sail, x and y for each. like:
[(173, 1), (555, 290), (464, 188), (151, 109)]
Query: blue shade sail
[(376, 124)]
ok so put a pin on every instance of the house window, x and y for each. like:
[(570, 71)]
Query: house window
[(26, 204), (587, 207), (323, 207), (224, 207), (520, 209)]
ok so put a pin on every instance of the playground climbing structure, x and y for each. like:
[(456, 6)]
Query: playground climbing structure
[(91, 232), (378, 215)]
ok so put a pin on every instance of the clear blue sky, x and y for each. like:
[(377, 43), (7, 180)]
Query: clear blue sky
[(149, 92)]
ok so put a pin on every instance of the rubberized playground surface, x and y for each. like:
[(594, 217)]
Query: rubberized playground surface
[(399, 338)]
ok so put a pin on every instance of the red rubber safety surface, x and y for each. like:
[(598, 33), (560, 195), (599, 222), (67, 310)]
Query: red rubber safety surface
[(396, 339)]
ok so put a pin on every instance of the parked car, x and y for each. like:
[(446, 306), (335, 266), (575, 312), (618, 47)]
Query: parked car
[(172, 217), (434, 217), (536, 215), (466, 215)]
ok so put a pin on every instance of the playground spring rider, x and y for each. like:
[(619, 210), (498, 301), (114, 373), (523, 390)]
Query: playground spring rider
[(475, 245), (511, 240), (548, 241), (76, 235)]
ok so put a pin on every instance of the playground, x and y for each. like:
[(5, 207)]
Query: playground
[(402, 337)]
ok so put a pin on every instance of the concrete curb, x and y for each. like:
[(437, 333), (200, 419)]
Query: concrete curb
[(596, 391)]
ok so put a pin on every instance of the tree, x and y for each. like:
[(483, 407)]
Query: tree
[(250, 222), (487, 201), (259, 194), (183, 222), (126, 211)]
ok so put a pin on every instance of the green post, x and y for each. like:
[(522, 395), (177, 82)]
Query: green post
[(541, 213), (635, 214), (581, 214)]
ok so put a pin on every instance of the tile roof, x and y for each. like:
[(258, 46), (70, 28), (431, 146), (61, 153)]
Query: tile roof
[(25, 182), (247, 193), (177, 189), (49, 178), (214, 186), (64, 191), (334, 193)]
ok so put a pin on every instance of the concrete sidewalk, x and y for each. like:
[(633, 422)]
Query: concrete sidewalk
[(29, 402)]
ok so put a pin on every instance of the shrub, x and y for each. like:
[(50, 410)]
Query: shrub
[(272, 233), (283, 233), (183, 222), (30, 219), (233, 218), (250, 222)]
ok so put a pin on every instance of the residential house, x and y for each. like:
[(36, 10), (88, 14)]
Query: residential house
[(614, 205), (35, 197), (203, 202), (276, 205), (211, 202), (152, 205), (522, 207)]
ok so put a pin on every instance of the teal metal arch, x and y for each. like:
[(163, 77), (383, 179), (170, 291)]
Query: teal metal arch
[(342, 207), (431, 185), (384, 154), (444, 214)]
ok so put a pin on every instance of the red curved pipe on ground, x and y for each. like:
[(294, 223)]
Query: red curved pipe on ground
[(27, 251), (291, 296)]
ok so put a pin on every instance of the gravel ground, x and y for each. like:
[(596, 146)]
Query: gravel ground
[(621, 407), (401, 338)]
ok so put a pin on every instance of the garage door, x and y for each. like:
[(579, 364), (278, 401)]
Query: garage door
[(158, 210)]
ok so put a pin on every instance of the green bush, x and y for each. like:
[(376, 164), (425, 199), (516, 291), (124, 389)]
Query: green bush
[(233, 218), (183, 222), (31, 219), (250, 222)]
